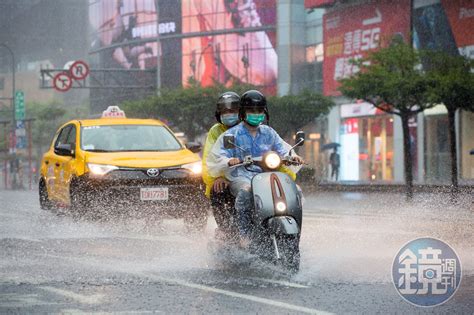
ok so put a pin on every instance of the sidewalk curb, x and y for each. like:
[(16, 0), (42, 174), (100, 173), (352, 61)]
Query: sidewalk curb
[(392, 188)]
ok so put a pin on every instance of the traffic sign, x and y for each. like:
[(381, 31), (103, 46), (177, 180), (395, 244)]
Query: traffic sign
[(79, 70), (19, 105), (62, 82), (20, 128)]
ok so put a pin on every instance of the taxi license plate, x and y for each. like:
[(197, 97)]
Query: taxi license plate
[(155, 193)]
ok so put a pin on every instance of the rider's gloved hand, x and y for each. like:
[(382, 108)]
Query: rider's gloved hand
[(295, 160), (233, 161)]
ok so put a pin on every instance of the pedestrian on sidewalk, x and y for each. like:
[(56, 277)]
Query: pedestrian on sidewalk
[(335, 161)]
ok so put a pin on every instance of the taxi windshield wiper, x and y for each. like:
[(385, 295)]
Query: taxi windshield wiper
[(98, 150), (138, 150)]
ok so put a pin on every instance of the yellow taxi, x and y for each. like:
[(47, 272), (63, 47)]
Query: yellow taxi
[(113, 161)]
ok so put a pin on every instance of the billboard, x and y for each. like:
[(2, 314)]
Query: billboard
[(233, 47), (127, 29), (445, 25), (351, 32)]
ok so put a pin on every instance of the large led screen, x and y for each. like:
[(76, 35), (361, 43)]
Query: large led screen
[(125, 31), (236, 48)]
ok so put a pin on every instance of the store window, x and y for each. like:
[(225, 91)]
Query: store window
[(467, 145), (437, 160), (367, 148), (315, 53)]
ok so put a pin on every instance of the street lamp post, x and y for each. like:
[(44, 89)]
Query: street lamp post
[(13, 105)]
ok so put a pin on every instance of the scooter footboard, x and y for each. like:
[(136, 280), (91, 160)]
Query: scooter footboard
[(283, 225)]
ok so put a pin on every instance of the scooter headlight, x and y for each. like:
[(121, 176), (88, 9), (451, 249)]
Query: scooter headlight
[(272, 160), (280, 206)]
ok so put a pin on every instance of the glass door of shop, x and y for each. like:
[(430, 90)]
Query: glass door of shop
[(376, 148)]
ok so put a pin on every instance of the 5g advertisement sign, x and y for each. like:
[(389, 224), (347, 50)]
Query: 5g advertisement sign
[(353, 31)]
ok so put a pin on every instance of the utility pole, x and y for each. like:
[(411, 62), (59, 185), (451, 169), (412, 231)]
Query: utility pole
[(158, 53), (13, 127)]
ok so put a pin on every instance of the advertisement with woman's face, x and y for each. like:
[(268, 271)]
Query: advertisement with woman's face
[(228, 56), (212, 41), (129, 28), (124, 23)]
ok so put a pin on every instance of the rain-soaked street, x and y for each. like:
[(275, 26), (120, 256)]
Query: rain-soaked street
[(51, 262)]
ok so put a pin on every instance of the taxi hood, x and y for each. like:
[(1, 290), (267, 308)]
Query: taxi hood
[(143, 159)]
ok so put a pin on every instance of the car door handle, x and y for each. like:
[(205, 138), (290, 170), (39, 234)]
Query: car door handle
[(57, 164)]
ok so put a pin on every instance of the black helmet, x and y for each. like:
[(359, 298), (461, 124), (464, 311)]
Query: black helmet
[(253, 99), (227, 100)]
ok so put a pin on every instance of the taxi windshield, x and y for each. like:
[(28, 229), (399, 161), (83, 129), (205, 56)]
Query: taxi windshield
[(122, 138)]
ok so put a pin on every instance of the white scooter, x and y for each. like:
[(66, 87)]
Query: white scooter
[(276, 218)]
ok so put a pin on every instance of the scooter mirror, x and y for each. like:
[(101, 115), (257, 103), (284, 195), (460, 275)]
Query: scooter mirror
[(229, 142), (299, 138)]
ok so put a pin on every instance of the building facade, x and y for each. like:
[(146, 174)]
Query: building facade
[(284, 46)]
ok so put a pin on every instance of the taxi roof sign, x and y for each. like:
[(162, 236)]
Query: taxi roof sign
[(113, 112)]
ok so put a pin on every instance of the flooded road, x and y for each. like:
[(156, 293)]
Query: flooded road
[(52, 262)]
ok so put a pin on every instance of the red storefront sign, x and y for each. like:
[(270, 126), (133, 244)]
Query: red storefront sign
[(352, 32), (460, 14), (308, 4)]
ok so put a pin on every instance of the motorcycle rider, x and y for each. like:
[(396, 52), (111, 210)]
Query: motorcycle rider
[(227, 116), (255, 138)]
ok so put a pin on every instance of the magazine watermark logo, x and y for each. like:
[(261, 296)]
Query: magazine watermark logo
[(426, 272)]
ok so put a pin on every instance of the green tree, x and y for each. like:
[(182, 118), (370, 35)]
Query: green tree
[(191, 109), (290, 113), (392, 80), (47, 119), (454, 87)]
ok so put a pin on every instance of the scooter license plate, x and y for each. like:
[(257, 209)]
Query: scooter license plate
[(154, 193)]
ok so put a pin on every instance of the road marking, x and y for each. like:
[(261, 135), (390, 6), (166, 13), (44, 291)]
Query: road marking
[(252, 298), (15, 300), (77, 311), (83, 299), (281, 282)]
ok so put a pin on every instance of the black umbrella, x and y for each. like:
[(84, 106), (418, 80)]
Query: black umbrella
[(329, 146)]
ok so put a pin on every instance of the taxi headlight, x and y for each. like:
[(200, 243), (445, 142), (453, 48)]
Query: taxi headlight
[(100, 169), (195, 168), (272, 160)]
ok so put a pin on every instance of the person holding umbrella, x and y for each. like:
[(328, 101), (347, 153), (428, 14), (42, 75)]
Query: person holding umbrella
[(335, 161)]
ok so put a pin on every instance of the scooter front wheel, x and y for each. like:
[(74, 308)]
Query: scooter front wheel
[(289, 252)]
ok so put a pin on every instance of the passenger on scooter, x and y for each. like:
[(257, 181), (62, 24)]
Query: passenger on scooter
[(227, 115), (255, 138)]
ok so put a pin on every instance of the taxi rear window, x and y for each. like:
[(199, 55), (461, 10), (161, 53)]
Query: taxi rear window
[(123, 138)]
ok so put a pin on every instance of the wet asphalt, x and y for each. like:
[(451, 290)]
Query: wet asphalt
[(53, 262)]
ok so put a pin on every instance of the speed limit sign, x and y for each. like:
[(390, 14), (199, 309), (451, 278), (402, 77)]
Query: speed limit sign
[(62, 82), (79, 70)]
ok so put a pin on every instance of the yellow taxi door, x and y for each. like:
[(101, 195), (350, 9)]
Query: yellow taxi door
[(58, 163), (69, 165)]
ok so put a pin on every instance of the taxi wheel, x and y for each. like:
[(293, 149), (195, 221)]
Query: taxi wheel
[(44, 201), (78, 202)]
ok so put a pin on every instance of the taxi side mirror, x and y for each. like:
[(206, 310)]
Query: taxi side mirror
[(64, 149), (193, 147)]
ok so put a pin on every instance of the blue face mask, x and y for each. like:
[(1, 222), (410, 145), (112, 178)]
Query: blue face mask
[(230, 119)]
